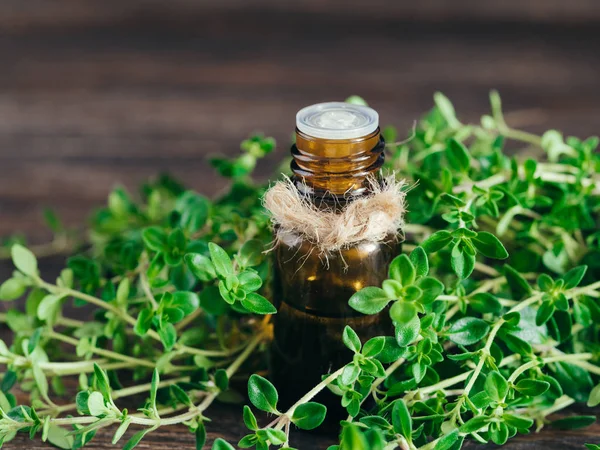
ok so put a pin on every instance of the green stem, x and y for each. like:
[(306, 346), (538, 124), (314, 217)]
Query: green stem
[(146, 287), (52, 288), (194, 411), (314, 391), (560, 403), (102, 352), (119, 393)]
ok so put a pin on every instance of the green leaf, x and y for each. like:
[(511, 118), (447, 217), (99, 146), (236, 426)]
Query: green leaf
[(447, 441), (392, 288), (594, 398), (81, 402), (40, 380), (431, 289), (489, 245), (212, 301), (263, 394), (309, 416), (574, 276), (369, 300), (52, 220), (402, 270), (250, 281), (176, 241), (544, 313), (168, 335), (412, 293), (144, 321), (12, 289), (498, 432), (194, 210), (574, 422), (251, 253), (122, 293), (407, 333), (155, 239), (391, 351), (373, 346), (258, 304), (200, 436), (201, 266), (356, 100), (520, 423), (59, 437), (462, 262), (574, 380), (34, 340), (484, 302), (9, 380), (221, 444), (349, 375), (474, 424), (137, 437), (102, 383), (468, 330), (186, 301), (95, 404), (517, 284), (458, 156), (353, 439), (251, 440), (49, 308), (545, 282), (582, 314), (401, 420), (221, 260), (276, 437), (221, 380), (532, 388), (403, 312), (496, 386), (121, 430), (418, 257), (24, 260), (351, 339), (154, 388), (180, 395), (437, 241), (447, 111), (250, 419), (226, 294)]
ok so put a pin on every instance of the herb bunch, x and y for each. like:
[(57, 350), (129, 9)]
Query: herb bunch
[(494, 303)]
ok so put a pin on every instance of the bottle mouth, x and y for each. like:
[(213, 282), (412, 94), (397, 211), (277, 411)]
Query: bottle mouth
[(337, 121), (337, 178)]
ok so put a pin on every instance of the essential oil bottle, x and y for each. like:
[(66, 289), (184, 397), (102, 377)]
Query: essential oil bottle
[(337, 155)]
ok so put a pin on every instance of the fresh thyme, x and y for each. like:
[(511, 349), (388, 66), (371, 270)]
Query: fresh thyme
[(494, 304)]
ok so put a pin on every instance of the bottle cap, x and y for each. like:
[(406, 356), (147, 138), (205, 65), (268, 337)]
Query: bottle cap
[(337, 120)]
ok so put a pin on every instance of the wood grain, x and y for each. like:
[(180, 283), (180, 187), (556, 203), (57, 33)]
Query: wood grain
[(94, 94)]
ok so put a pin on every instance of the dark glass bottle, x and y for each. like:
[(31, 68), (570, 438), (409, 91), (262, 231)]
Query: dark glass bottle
[(312, 292)]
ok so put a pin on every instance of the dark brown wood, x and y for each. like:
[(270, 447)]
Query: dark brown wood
[(94, 94)]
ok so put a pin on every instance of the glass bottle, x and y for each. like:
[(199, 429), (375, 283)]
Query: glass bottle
[(338, 145)]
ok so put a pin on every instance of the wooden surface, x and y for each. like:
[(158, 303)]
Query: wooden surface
[(94, 94)]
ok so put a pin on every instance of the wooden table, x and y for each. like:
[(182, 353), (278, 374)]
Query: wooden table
[(94, 94)]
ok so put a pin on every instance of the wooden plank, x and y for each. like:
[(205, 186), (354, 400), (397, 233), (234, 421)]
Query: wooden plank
[(17, 16)]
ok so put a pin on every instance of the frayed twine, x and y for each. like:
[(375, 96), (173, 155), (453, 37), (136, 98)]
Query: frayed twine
[(372, 218)]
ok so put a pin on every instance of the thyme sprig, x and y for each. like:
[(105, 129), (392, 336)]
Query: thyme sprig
[(494, 304)]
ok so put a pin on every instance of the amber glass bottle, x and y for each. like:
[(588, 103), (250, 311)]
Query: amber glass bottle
[(337, 147)]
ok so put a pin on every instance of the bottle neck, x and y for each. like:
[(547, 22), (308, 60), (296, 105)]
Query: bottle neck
[(336, 170)]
